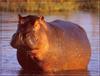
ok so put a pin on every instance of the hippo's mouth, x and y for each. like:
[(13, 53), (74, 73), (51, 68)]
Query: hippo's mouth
[(26, 48)]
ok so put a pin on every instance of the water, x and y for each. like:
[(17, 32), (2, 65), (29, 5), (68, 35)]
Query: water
[(8, 61)]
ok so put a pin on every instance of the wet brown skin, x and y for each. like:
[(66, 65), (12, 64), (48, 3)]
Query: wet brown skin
[(50, 46)]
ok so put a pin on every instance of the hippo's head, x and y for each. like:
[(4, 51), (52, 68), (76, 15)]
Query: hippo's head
[(30, 34)]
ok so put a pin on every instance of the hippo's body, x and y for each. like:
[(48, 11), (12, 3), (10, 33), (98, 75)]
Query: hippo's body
[(62, 46)]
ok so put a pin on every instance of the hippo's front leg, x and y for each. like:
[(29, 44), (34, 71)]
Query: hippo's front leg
[(27, 61)]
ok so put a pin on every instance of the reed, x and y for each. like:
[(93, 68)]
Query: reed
[(48, 5)]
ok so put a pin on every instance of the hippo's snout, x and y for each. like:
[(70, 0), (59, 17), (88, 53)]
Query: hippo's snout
[(17, 40), (20, 40)]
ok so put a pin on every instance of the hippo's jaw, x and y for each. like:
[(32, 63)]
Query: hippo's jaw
[(31, 41)]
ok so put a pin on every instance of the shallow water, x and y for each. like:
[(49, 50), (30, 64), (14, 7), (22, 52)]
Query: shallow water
[(8, 62)]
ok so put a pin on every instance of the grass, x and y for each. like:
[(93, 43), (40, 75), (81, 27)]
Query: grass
[(49, 6)]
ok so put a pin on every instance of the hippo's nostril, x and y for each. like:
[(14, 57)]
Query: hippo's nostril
[(27, 35)]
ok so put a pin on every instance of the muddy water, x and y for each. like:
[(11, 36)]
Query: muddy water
[(8, 61)]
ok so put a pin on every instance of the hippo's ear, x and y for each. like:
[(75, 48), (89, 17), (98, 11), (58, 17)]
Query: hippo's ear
[(19, 16), (20, 19), (42, 22)]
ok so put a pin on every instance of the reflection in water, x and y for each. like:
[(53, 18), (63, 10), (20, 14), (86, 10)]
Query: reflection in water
[(62, 73), (29, 73)]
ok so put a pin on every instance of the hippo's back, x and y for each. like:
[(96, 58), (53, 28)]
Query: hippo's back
[(68, 46), (66, 25), (70, 31)]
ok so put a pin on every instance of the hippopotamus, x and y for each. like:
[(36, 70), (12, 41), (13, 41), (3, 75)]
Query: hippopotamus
[(50, 46)]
